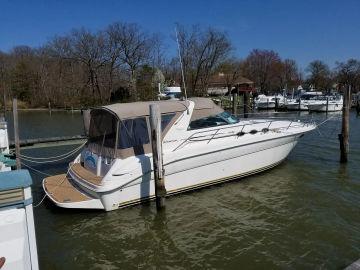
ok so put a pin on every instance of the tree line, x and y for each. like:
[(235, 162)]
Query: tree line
[(124, 62)]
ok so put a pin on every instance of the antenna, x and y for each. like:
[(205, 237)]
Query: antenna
[(181, 64)]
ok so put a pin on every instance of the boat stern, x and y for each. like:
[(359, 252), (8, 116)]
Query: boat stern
[(63, 192)]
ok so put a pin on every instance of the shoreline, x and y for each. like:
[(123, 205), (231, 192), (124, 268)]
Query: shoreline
[(46, 109)]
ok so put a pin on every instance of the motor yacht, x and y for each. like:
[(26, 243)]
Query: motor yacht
[(327, 104), (202, 145), (263, 102), (302, 102)]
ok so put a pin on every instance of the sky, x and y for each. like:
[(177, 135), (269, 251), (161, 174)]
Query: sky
[(303, 30)]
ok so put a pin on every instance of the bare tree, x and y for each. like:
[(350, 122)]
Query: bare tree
[(202, 51), (260, 67), (134, 46), (349, 73), (288, 74), (88, 49), (319, 75)]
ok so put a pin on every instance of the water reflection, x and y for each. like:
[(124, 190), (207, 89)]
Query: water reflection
[(302, 214)]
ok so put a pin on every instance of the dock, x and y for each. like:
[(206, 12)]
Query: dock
[(49, 142)]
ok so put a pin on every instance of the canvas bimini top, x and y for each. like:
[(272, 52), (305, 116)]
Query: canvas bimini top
[(203, 107), (122, 130), (138, 109)]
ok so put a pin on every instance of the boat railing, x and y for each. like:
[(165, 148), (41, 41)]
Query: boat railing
[(199, 135)]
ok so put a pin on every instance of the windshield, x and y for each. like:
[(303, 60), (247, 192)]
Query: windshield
[(220, 119), (229, 118)]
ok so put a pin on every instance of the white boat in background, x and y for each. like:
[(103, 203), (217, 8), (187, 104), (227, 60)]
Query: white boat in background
[(202, 146), (301, 103), (7, 161), (17, 233), (263, 102), (327, 104), (171, 92)]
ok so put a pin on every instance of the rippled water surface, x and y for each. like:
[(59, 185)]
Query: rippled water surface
[(303, 214)]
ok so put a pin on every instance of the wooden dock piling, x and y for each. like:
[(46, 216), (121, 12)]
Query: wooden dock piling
[(344, 136), (4, 104), (16, 134), (49, 105), (234, 103), (246, 104), (156, 144), (327, 104)]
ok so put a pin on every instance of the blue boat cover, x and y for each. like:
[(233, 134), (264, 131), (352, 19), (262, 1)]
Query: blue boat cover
[(15, 179)]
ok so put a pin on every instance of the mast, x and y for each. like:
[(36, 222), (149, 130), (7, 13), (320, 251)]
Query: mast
[(181, 64)]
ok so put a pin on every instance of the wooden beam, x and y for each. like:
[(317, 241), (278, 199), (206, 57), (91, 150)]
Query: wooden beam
[(246, 104), (16, 134), (156, 144), (344, 136), (234, 103), (55, 141)]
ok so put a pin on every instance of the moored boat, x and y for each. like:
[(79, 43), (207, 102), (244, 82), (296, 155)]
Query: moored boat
[(263, 102), (202, 146), (327, 104), (302, 102), (17, 232)]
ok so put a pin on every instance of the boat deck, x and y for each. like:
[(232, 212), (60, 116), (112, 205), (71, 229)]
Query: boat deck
[(85, 174), (62, 191)]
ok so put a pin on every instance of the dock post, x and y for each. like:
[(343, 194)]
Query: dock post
[(299, 104), (4, 104), (156, 145), (49, 104), (246, 104), (16, 134), (327, 104), (276, 104), (344, 136), (234, 103)]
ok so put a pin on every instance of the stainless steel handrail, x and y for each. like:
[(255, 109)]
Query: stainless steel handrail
[(192, 136)]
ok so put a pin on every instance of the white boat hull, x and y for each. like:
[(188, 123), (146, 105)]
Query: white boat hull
[(265, 105), (192, 158), (232, 166), (295, 107), (322, 107), (199, 171)]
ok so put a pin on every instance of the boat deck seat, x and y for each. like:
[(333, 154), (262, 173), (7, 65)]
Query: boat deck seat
[(85, 174), (62, 191)]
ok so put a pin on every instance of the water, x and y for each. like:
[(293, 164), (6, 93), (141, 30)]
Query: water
[(303, 214)]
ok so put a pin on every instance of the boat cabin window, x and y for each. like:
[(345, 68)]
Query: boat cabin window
[(133, 132), (223, 118), (102, 129), (166, 119)]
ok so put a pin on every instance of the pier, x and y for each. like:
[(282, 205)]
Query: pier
[(49, 142)]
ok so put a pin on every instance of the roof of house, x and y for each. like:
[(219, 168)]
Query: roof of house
[(220, 79)]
